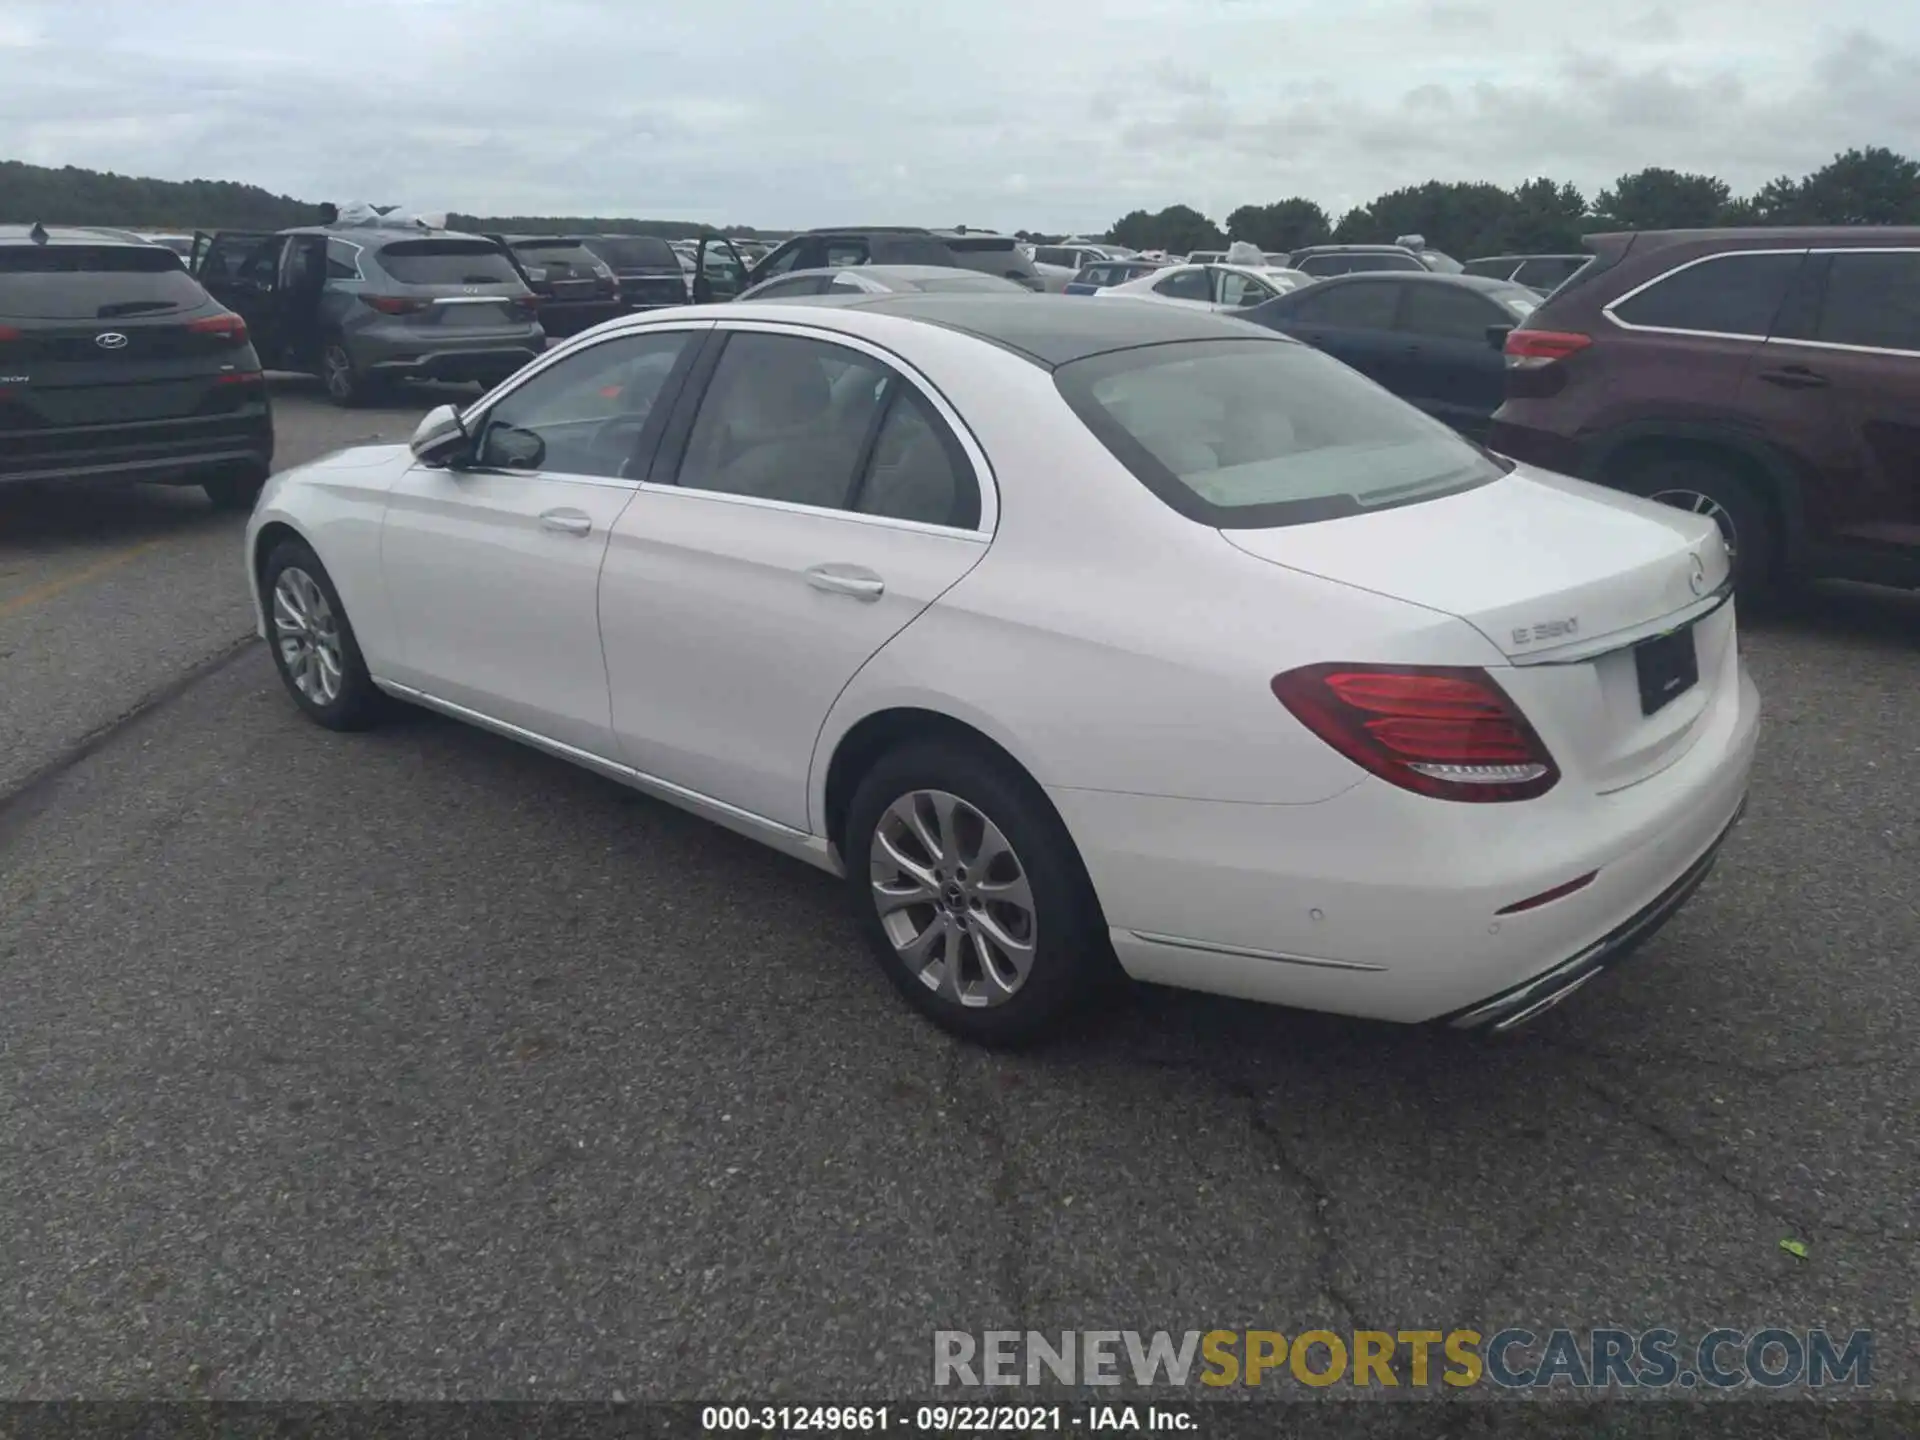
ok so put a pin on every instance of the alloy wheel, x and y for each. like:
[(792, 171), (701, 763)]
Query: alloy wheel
[(307, 636), (337, 371), (1699, 504), (954, 899)]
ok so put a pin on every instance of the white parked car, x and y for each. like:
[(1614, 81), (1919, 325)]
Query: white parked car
[(1210, 287), (1067, 634), (883, 280)]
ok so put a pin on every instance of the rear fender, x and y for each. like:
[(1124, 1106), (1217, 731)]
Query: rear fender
[(1759, 458)]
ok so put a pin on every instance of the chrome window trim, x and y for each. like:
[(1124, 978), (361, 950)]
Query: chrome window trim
[(985, 481), (1666, 275)]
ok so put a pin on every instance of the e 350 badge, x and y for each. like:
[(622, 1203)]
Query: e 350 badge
[(1549, 630)]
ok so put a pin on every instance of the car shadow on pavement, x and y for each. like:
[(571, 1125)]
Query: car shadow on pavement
[(33, 517), (1843, 611)]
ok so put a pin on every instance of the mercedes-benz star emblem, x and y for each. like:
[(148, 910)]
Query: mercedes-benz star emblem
[(1698, 579), (111, 340)]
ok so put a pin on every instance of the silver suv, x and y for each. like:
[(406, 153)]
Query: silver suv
[(362, 307)]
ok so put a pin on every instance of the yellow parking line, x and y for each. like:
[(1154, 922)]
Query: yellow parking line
[(27, 599)]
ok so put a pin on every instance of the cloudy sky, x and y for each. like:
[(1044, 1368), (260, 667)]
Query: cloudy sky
[(1006, 113)]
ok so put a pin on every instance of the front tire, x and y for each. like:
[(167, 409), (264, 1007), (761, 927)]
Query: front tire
[(971, 894), (314, 648)]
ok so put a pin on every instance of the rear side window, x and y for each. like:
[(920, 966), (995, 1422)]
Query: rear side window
[(1734, 295), (1492, 269), (88, 282), (845, 252), (1247, 434), (1874, 300), (1052, 255), (918, 471), (1363, 305), (1186, 285), (447, 262)]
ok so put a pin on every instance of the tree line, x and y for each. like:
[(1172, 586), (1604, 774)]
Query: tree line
[(1872, 186)]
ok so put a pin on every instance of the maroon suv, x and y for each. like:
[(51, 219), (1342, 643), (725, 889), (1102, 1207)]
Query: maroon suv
[(1770, 378)]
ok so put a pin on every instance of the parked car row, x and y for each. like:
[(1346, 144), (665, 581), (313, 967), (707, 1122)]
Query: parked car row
[(1767, 378)]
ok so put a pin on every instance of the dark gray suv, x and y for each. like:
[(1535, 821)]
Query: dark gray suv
[(361, 306)]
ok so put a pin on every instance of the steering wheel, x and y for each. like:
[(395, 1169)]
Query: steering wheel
[(616, 439)]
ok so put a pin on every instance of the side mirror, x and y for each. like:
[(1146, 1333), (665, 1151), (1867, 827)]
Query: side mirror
[(1497, 335), (439, 437), (508, 447), (702, 288)]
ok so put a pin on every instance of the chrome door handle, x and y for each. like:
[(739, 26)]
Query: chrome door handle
[(566, 522), (847, 580)]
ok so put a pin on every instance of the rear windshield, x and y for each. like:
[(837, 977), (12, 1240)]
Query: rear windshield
[(447, 262), (1353, 264), (86, 282), (561, 259), (1247, 434), (1440, 264), (634, 252), (962, 244)]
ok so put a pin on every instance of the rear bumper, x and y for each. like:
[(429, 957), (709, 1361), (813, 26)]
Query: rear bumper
[(1512, 1008), (570, 317), (155, 452), (1387, 905), (487, 365)]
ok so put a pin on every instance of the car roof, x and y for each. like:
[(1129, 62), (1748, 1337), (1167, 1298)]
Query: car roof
[(1735, 235), (1056, 330), (1416, 277), (1354, 250), (71, 235), (864, 230), (545, 239)]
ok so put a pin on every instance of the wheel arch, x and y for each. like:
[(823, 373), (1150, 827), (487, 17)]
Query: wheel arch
[(845, 759), (1613, 457)]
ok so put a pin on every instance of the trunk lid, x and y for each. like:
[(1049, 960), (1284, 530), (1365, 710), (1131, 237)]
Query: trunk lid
[(1569, 582)]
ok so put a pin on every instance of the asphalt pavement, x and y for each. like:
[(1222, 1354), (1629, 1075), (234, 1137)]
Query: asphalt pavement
[(416, 1064)]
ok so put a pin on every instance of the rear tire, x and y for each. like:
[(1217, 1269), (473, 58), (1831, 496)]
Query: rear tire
[(235, 490), (1008, 940), (1714, 488), (348, 386), (314, 648)]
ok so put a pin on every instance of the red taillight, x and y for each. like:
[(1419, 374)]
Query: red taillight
[(241, 377), (1443, 731), (7, 332), (1531, 349), (527, 302), (393, 305), (232, 327)]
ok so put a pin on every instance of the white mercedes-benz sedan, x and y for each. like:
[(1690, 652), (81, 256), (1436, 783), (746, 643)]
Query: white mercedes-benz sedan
[(1069, 635)]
